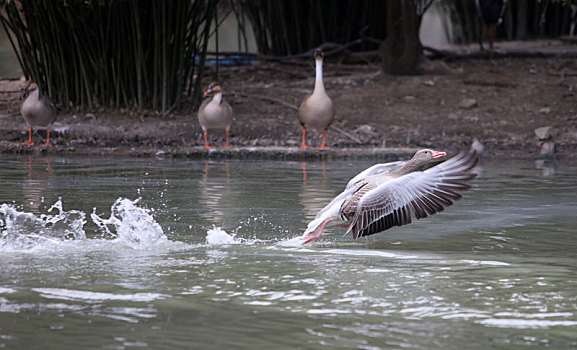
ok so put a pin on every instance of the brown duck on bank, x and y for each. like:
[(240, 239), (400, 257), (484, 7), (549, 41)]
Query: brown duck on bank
[(38, 111), (375, 202), (214, 113), (317, 109)]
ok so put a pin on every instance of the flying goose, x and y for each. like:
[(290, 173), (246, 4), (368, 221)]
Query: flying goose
[(377, 201)]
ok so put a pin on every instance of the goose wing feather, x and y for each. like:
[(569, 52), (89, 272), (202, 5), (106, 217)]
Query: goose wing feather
[(374, 170), (376, 207)]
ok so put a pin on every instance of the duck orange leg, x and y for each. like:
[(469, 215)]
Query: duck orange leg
[(29, 142), (206, 146), (323, 146), (226, 145), (304, 144), (47, 143)]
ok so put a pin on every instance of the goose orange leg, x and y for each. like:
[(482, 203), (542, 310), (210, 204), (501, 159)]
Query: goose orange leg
[(317, 233), (304, 144), (322, 146), (226, 145), (29, 142), (47, 143), (206, 146)]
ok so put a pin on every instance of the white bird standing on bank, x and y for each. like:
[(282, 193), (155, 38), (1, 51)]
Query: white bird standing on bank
[(317, 110)]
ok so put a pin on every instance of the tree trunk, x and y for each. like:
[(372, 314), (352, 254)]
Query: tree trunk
[(402, 51), (521, 30)]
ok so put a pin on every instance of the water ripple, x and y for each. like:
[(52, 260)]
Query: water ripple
[(75, 295)]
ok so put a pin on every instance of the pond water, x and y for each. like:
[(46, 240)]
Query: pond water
[(110, 253)]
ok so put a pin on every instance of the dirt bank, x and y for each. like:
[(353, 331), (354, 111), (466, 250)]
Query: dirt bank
[(461, 102)]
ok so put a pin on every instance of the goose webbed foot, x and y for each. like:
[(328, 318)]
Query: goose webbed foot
[(317, 233)]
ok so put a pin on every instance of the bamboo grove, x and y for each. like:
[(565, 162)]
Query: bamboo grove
[(287, 27), (111, 53), (150, 54)]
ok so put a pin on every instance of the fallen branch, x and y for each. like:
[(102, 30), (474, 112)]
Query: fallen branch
[(347, 134), (165, 114), (270, 99), (330, 49), (291, 106), (433, 53)]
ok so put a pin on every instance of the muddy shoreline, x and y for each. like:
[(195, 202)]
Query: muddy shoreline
[(378, 116)]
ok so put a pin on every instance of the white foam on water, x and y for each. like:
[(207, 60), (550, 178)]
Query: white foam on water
[(370, 253), (75, 295), (20, 230), (218, 236), (130, 224), (490, 263), (527, 324), (4, 290), (291, 242)]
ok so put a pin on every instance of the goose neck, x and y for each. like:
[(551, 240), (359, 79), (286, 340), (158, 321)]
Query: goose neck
[(217, 97), (35, 94), (319, 85), (410, 166)]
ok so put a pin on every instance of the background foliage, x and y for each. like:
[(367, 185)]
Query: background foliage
[(111, 53), (151, 53)]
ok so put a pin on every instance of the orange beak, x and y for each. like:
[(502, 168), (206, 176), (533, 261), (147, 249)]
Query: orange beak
[(437, 154), (208, 91)]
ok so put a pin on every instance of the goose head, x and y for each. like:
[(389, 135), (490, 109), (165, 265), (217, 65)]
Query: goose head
[(26, 90), (318, 54), (422, 159), (213, 88), (429, 155), (24, 93)]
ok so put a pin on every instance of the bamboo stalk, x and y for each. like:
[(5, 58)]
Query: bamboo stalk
[(133, 54)]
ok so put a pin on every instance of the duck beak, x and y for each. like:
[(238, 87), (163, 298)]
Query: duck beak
[(437, 154), (208, 91)]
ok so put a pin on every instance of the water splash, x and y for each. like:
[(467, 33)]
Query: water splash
[(218, 236), (130, 224), (295, 242), (21, 230)]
